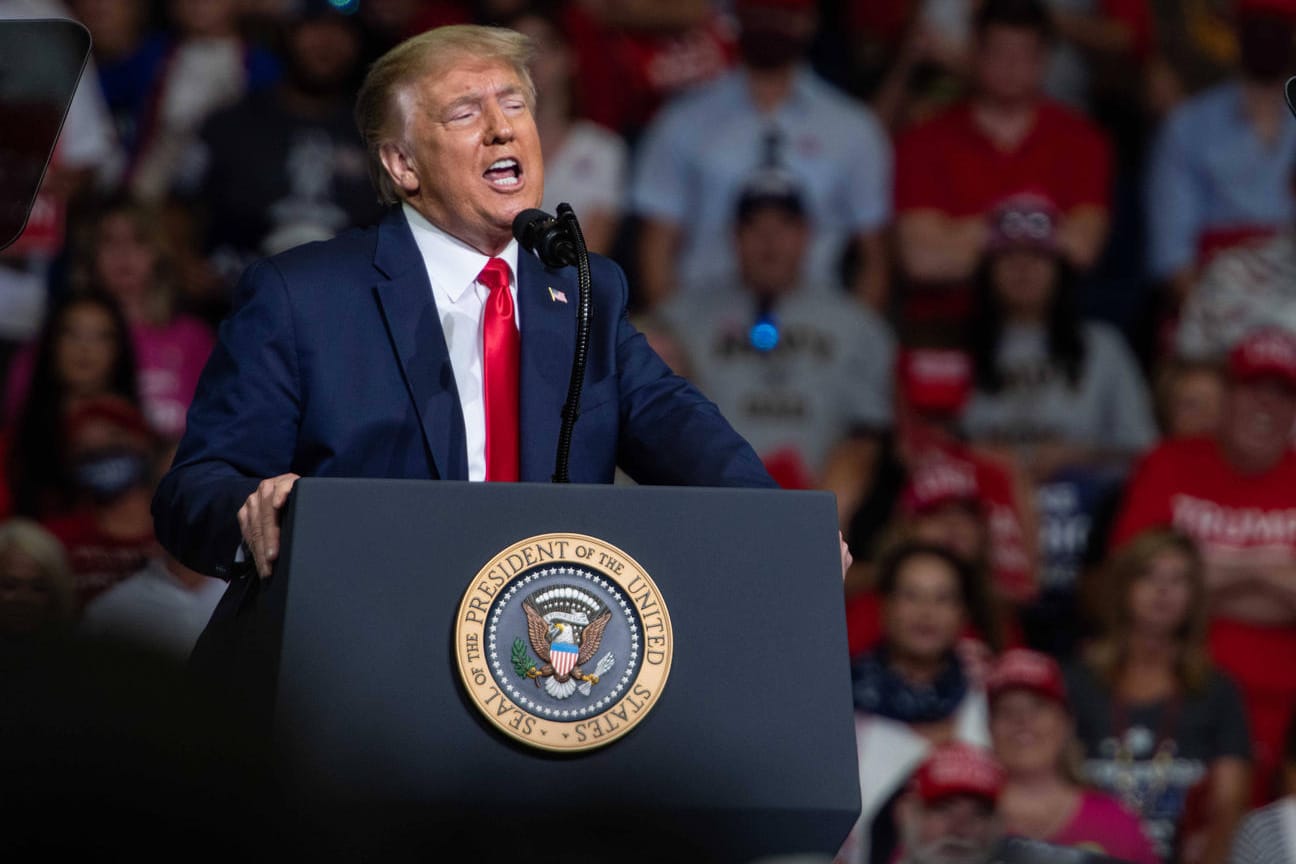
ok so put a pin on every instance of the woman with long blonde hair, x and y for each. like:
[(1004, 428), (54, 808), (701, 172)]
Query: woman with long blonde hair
[(126, 255), (1162, 728)]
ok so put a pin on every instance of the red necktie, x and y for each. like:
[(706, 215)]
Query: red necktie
[(500, 351)]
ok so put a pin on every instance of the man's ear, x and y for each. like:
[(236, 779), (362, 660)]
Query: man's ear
[(399, 166)]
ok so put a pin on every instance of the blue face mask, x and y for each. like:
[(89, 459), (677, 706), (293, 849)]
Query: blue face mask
[(108, 474)]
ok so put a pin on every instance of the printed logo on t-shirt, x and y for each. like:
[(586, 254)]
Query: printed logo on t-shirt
[(1213, 524), (1149, 779)]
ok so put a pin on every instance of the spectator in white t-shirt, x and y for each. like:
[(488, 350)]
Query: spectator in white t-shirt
[(1053, 391), (163, 607)]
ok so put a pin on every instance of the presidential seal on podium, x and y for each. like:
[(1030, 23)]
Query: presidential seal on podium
[(563, 642)]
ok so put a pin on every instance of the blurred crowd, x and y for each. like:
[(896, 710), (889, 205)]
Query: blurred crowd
[(1014, 279)]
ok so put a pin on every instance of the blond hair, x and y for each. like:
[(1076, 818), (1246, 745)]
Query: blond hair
[(378, 112), (31, 540), (148, 223), (1132, 562)]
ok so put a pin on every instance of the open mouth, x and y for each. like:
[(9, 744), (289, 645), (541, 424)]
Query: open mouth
[(504, 173)]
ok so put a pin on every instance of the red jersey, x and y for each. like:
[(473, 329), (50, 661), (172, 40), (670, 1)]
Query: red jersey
[(948, 164), (625, 76), (1187, 484)]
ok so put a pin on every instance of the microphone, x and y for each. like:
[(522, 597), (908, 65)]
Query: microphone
[(543, 235), (559, 242)]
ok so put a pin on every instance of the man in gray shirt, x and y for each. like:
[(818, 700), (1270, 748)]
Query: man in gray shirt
[(796, 371)]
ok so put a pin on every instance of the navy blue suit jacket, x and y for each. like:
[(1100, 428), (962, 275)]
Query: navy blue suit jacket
[(334, 365)]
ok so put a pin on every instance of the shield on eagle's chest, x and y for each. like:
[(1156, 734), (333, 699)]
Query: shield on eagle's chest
[(563, 656)]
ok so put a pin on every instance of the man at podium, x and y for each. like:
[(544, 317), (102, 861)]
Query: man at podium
[(428, 346)]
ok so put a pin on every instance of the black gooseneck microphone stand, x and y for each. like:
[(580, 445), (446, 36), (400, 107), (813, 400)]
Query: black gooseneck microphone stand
[(571, 408)]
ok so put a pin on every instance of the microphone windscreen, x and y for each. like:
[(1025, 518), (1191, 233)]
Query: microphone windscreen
[(529, 225)]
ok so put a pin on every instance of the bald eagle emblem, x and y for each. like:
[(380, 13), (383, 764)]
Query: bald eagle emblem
[(565, 625)]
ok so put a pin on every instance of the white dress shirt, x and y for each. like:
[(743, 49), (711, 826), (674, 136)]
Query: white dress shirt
[(452, 268)]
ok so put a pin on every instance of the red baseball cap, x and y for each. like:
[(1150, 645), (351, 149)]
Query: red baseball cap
[(958, 769), (940, 481), (1267, 353), (1022, 669), (935, 380)]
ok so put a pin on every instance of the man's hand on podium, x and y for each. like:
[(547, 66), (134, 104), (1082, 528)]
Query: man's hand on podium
[(258, 519)]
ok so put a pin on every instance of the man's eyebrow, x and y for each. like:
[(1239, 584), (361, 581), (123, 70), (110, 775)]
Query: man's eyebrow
[(477, 97), (468, 99)]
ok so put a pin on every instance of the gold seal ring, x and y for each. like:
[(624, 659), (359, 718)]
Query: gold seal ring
[(563, 642)]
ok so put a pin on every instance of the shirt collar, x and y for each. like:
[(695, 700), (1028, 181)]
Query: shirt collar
[(452, 265), (800, 95), (967, 115)]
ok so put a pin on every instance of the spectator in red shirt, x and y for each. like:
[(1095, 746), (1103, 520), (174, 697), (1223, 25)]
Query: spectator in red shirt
[(1005, 140), (112, 453), (1235, 495), (634, 55)]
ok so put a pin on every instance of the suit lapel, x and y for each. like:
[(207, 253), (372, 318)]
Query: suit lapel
[(415, 329), (548, 341)]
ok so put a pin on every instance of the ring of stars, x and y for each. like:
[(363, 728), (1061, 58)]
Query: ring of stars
[(618, 602)]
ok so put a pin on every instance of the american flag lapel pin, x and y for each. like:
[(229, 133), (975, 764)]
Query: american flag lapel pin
[(557, 296)]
